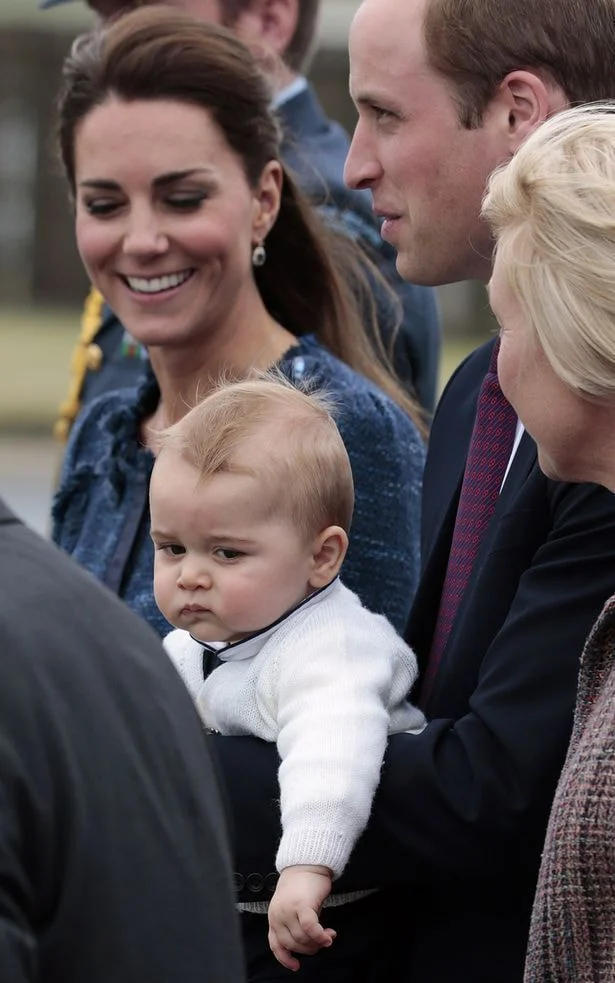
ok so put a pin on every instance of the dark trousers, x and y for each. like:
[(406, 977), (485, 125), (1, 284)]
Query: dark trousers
[(358, 954)]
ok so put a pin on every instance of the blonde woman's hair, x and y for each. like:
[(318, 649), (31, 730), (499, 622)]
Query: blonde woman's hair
[(552, 211), (305, 470)]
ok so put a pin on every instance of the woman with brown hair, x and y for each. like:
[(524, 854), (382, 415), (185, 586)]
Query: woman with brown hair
[(196, 236)]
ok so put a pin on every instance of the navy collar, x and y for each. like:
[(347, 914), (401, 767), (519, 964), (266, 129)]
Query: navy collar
[(245, 648)]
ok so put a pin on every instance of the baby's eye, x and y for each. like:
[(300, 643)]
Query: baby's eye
[(173, 549), (227, 554)]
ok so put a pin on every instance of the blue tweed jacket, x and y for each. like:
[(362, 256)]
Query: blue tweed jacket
[(101, 516)]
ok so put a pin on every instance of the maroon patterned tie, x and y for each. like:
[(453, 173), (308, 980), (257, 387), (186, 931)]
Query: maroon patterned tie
[(488, 455)]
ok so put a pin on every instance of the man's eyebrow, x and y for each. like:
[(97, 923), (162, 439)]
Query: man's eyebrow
[(364, 98), (367, 100)]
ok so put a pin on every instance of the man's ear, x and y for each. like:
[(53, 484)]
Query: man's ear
[(526, 99), (272, 22), (328, 552)]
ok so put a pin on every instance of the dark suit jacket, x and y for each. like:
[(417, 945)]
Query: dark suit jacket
[(459, 819), (315, 148), (113, 856)]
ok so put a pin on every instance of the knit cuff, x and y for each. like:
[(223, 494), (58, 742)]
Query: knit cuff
[(321, 847)]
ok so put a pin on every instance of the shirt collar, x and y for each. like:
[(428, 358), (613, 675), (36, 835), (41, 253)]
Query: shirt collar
[(289, 92)]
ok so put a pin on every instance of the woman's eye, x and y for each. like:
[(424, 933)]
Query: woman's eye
[(187, 202), (101, 206)]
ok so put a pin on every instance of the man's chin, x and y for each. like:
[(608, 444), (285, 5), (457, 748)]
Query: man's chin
[(412, 271)]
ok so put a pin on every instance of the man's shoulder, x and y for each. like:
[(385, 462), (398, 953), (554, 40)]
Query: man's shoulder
[(471, 371), (67, 599), (68, 642), (460, 394)]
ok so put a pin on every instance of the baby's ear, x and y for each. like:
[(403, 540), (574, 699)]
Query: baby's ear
[(328, 552)]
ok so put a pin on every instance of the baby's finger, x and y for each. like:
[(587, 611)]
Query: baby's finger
[(284, 957), (312, 929), (291, 937)]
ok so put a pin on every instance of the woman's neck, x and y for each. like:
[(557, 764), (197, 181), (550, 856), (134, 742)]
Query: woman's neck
[(186, 375)]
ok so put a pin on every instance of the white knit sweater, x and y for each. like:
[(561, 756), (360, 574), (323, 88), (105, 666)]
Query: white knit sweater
[(327, 682)]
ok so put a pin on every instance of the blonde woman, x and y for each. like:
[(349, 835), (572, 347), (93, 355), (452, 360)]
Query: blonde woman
[(553, 291)]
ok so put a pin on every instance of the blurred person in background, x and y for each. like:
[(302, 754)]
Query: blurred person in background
[(192, 230), (314, 149), (553, 292), (114, 862)]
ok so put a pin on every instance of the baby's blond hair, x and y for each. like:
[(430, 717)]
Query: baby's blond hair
[(552, 210), (305, 471)]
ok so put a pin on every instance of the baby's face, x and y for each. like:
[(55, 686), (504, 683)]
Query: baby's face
[(224, 568)]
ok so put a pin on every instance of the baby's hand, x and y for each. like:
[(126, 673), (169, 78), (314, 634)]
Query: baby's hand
[(293, 914)]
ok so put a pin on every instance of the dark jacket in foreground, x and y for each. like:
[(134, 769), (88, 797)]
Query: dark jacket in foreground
[(460, 816), (113, 858)]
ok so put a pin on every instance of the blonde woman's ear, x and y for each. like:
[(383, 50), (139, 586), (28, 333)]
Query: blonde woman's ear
[(328, 555)]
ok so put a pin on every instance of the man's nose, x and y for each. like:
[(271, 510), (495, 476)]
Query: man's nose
[(361, 168)]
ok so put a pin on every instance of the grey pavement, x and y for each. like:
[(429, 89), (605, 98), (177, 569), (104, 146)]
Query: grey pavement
[(28, 469)]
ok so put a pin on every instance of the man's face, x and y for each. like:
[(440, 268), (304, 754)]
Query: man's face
[(426, 172), (205, 10)]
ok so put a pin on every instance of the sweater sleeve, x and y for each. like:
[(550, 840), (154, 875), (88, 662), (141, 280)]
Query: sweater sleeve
[(334, 686)]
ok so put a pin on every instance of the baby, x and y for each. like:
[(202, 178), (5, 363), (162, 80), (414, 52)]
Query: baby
[(251, 502)]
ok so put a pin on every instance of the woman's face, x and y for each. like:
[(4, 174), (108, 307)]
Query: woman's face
[(574, 435), (166, 220)]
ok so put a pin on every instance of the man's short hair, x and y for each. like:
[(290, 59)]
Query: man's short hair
[(305, 470), (476, 43), (301, 46)]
